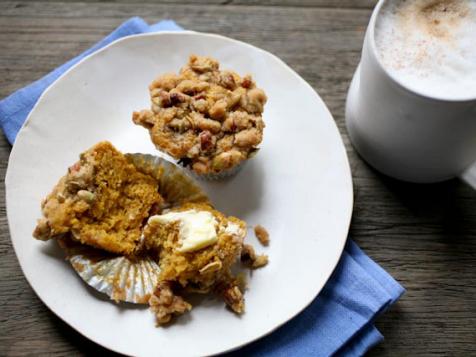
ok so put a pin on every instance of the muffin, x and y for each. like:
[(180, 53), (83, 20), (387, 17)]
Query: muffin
[(196, 247), (139, 230), (102, 201), (103, 240), (207, 119)]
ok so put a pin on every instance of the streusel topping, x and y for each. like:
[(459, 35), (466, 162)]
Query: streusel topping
[(208, 119)]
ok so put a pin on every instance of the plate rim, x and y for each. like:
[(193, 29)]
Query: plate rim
[(346, 166)]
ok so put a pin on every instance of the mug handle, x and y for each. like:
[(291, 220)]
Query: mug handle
[(469, 176)]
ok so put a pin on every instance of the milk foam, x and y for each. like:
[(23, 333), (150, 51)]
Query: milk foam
[(430, 45)]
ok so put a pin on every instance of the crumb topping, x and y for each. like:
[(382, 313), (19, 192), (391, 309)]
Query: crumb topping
[(233, 297), (208, 119), (165, 304), (251, 259), (262, 234)]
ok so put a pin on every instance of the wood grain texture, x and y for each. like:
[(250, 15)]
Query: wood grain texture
[(425, 236), (354, 4)]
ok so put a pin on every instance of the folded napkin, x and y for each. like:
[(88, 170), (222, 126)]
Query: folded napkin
[(338, 322)]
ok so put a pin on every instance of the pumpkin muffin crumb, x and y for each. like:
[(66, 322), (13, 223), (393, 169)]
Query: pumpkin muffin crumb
[(251, 259), (102, 202), (262, 235)]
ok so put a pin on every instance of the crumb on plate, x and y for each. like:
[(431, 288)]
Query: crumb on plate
[(262, 234)]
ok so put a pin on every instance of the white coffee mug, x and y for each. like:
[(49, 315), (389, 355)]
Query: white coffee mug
[(402, 133)]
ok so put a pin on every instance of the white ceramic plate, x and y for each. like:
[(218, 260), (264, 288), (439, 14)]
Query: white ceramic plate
[(299, 187)]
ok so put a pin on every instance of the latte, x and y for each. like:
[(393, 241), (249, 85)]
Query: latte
[(430, 45)]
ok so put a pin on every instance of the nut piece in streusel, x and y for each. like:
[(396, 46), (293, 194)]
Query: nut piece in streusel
[(102, 201), (208, 119)]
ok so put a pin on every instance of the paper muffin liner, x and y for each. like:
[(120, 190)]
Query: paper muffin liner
[(127, 279), (120, 278), (175, 186)]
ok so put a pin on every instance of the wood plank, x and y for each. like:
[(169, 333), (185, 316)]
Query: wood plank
[(362, 4), (422, 235), (62, 34)]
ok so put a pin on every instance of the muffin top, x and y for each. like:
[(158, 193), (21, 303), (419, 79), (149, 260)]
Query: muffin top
[(102, 201), (208, 119)]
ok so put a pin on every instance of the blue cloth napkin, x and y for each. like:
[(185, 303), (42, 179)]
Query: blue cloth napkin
[(340, 321)]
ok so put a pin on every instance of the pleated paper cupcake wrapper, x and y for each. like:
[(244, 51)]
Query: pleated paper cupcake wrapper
[(175, 186), (122, 278)]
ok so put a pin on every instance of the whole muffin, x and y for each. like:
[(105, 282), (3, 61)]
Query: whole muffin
[(210, 120)]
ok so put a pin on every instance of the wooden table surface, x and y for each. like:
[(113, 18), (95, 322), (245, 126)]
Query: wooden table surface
[(425, 236)]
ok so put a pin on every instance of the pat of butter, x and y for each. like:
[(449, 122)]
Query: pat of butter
[(197, 229)]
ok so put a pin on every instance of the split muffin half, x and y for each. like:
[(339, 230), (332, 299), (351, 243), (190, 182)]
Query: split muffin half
[(102, 201), (196, 247)]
